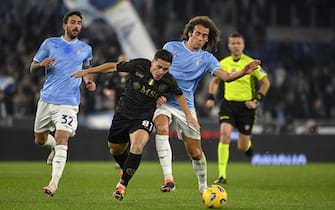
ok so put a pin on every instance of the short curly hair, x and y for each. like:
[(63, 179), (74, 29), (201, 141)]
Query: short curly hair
[(214, 32), (70, 13)]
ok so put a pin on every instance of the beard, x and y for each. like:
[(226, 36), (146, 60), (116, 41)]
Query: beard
[(72, 34)]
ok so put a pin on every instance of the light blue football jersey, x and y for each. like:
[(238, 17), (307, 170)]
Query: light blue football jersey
[(59, 87), (188, 68)]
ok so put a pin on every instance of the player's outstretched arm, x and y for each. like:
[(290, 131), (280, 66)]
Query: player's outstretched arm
[(103, 68), (252, 66), (249, 68)]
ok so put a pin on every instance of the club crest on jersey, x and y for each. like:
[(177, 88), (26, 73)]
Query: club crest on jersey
[(137, 85), (78, 51), (162, 88), (198, 61)]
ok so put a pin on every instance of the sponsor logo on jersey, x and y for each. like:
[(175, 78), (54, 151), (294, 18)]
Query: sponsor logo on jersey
[(149, 92), (139, 74)]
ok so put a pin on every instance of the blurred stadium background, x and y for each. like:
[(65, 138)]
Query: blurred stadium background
[(293, 38)]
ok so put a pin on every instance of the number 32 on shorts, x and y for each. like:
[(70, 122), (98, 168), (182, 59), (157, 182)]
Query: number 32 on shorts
[(67, 120)]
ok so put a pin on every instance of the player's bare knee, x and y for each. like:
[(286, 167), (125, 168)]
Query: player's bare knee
[(40, 139), (162, 130), (136, 148), (115, 151), (224, 137), (62, 140), (195, 155), (240, 148)]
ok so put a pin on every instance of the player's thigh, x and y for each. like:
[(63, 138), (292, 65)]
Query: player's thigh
[(43, 121), (162, 124), (162, 119), (119, 131), (182, 128), (138, 139)]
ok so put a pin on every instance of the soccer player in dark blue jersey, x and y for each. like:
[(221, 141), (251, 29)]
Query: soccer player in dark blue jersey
[(132, 123)]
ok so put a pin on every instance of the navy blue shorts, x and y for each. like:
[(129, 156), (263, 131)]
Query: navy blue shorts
[(122, 126)]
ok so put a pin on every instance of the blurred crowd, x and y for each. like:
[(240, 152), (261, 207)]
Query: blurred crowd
[(302, 73)]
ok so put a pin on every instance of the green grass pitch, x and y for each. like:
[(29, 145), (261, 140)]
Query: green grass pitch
[(89, 185)]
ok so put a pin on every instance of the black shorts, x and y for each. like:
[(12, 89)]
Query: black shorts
[(122, 126), (238, 115)]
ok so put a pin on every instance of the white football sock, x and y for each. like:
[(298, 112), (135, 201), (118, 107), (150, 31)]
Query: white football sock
[(165, 155), (200, 168), (58, 163)]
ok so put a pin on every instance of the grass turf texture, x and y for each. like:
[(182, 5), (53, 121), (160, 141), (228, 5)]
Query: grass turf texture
[(89, 185)]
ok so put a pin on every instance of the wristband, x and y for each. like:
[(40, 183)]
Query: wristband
[(210, 96), (259, 96)]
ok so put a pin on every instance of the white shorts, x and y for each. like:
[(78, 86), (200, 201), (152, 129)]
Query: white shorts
[(178, 121), (60, 117)]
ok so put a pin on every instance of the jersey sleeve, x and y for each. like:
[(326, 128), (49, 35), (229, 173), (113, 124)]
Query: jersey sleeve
[(259, 73), (87, 61), (167, 46), (124, 66), (42, 52), (213, 64), (133, 65)]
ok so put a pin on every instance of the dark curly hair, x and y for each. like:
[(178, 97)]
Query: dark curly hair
[(214, 32), (70, 13)]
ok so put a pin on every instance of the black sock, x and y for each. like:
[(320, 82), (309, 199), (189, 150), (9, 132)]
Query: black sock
[(121, 159), (130, 167), (249, 152)]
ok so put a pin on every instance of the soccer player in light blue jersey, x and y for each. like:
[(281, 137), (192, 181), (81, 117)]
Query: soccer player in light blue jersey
[(59, 101), (191, 61)]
